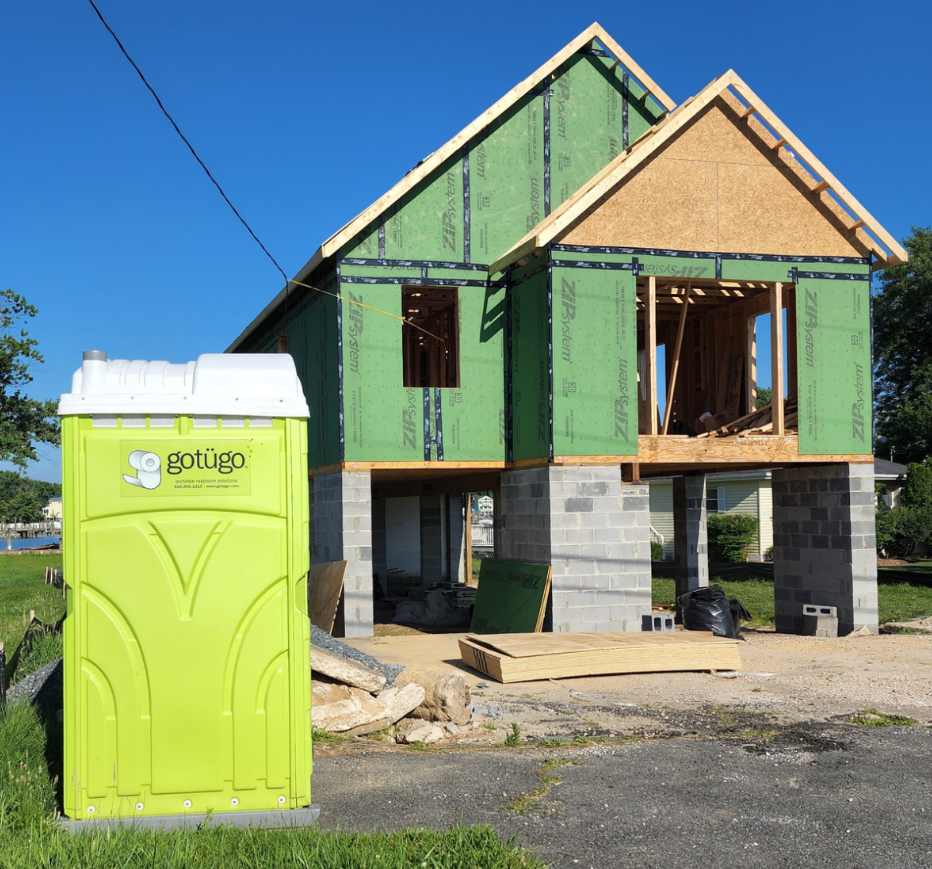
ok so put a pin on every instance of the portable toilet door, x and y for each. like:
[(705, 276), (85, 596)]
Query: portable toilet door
[(186, 661)]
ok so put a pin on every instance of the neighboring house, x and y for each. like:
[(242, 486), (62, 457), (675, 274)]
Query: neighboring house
[(751, 493), (485, 505), (52, 510), (890, 478), (748, 492), (493, 322)]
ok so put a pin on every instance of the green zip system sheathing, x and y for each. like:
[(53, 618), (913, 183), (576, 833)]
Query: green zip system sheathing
[(594, 362), (834, 364), (517, 170), (385, 421)]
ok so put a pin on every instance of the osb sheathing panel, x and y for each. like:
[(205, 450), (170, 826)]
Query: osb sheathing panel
[(717, 187)]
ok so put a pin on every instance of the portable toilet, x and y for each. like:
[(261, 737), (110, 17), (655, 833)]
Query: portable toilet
[(186, 642)]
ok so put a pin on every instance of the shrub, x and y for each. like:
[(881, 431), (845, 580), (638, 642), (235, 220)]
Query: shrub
[(917, 493), (656, 551), (768, 554), (901, 529), (731, 536)]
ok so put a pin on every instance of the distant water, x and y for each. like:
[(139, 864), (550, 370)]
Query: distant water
[(30, 542)]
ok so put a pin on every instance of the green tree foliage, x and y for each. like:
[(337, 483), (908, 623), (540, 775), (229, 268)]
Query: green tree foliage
[(731, 536), (903, 352), (22, 499), (764, 396), (902, 529), (656, 551), (24, 421)]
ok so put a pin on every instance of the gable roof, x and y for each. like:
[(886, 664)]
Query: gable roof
[(858, 222), (429, 164)]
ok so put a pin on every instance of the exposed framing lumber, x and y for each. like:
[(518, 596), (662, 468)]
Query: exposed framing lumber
[(775, 133), (792, 372), (751, 366), (776, 351), (674, 370), (650, 345), (766, 449)]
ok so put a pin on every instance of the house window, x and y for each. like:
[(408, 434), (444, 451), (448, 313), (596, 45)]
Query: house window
[(715, 501), (430, 336)]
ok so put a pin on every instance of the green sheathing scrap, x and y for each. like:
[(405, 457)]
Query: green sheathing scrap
[(594, 362), (386, 422), (591, 121), (834, 366), (530, 363)]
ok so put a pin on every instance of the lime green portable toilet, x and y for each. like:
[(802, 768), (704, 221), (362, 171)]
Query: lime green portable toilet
[(186, 661)]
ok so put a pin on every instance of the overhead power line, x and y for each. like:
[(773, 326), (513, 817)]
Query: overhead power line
[(171, 120)]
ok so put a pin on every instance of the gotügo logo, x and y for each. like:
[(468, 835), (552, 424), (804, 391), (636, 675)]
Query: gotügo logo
[(148, 467)]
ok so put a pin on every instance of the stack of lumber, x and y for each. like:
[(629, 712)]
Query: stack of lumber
[(757, 423), (528, 657)]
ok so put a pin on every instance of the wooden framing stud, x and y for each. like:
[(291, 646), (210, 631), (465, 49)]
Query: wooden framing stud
[(776, 365), (650, 343), (822, 185), (671, 386)]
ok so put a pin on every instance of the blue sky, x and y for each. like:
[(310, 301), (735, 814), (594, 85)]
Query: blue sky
[(307, 112)]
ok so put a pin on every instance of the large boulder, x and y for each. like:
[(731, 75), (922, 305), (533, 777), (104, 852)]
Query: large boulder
[(446, 693)]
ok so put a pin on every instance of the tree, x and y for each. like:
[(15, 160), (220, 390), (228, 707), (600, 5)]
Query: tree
[(903, 352), (24, 421), (764, 396)]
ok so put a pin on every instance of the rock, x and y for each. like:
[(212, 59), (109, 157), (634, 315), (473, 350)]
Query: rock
[(401, 700), (446, 693), (412, 730), (371, 727), (345, 709), (450, 727), (483, 685), (863, 631), (344, 670)]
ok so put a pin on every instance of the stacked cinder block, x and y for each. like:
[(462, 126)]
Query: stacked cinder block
[(690, 533), (824, 544), (594, 530), (341, 523)]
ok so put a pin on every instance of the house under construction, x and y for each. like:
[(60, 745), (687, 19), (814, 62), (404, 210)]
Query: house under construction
[(540, 267)]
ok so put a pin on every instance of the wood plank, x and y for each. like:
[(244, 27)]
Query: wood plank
[(776, 356), (752, 364), (650, 344), (766, 449), (671, 386), (524, 657), (325, 584), (592, 460), (792, 372), (467, 568)]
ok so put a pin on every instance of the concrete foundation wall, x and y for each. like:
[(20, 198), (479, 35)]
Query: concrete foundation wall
[(690, 533), (594, 530), (341, 529), (824, 544)]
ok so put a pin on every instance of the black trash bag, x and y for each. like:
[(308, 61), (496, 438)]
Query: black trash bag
[(707, 609), (739, 612)]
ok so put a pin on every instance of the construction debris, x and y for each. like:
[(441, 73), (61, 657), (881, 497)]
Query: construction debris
[(350, 696), (758, 422), (446, 693), (411, 731)]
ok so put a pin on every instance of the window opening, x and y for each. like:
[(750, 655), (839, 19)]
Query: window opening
[(431, 346)]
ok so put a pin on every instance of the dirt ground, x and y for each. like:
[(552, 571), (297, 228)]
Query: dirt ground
[(784, 680)]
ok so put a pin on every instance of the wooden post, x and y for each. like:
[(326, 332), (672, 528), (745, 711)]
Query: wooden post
[(468, 547), (776, 355), (752, 364), (791, 371), (671, 386), (650, 340)]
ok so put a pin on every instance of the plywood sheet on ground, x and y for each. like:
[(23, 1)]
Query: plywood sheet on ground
[(325, 583), (528, 657)]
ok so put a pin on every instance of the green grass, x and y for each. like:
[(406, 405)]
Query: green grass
[(514, 738), (23, 588), (873, 718), (897, 601)]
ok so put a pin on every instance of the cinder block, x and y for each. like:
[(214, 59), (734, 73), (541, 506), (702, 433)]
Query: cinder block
[(657, 622)]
